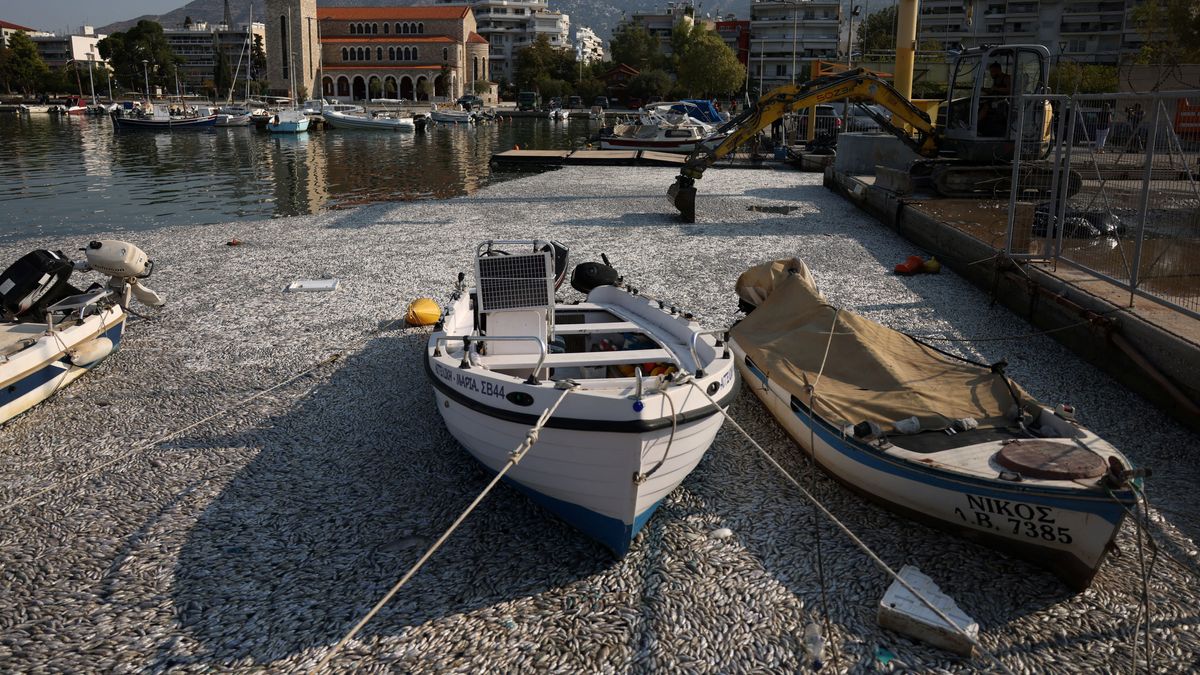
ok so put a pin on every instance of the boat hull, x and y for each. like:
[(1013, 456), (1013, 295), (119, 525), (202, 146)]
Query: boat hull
[(341, 121), (681, 146), (164, 125), (586, 478), (38, 372), (297, 127), (1067, 531)]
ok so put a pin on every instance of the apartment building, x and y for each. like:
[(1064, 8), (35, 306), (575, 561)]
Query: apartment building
[(660, 23), (1082, 31), (198, 44), (786, 36), (589, 48), (511, 25), (7, 28), (59, 50)]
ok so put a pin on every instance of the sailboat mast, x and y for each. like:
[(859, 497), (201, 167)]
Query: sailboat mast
[(250, 41), (291, 61)]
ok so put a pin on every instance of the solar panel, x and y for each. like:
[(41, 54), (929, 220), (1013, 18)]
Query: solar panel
[(518, 281)]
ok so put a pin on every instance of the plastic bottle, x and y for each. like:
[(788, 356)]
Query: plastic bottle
[(814, 644)]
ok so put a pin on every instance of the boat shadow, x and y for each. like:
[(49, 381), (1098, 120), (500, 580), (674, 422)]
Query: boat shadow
[(348, 487)]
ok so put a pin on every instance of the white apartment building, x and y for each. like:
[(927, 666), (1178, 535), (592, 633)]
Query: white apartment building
[(511, 25), (1082, 31), (197, 44), (786, 36), (589, 48), (660, 23), (59, 50), (7, 28)]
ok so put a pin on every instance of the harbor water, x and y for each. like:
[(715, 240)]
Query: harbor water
[(64, 175)]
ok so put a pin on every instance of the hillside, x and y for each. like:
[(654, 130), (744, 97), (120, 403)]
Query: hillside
[(599, 15)]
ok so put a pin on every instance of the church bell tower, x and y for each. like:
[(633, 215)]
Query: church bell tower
[(293, 50)]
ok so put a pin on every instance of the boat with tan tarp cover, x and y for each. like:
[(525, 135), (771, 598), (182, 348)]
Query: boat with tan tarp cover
[(927, 434)]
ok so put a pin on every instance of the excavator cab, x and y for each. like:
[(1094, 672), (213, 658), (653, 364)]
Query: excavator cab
[(979, 120)]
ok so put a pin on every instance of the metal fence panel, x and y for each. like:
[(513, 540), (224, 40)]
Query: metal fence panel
[(1125, 200)]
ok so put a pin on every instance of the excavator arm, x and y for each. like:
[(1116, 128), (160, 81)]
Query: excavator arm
[(856, 85)]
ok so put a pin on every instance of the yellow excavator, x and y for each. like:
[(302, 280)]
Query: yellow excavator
[(968, 152)]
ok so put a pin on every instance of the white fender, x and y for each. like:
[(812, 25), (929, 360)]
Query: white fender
[(91, 352)]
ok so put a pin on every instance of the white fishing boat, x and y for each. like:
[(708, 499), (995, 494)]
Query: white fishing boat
[(159, 117), (633, 425), (950, 442), (385, 121), (314, 107), (449, 116), (672, 126), (560, 114), (53, 333)]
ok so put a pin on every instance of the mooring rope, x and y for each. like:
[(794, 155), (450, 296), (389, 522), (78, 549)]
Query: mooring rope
[(514, 457), (146, 445), (853, 537)]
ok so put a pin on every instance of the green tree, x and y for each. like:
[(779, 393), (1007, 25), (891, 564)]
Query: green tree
[(482, 87), (126, 50), (635, 47), (649, 83), (543, 61), (23, 68), (709, 67), (683, 35), (258, 58), (1171, 29), (877, 33), (1074, 78), (424, 89), (222, 76)]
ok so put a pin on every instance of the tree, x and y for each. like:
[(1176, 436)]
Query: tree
[(481, 87), (126, 50), (1073, 78), (683, 35), (710, 67), (258, 58), (1172, 32), (222, 77), (877, 33), (23, 67), (648, 84), (635, 47), (542, 61)]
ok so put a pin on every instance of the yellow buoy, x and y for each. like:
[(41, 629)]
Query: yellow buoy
[(423, 312)]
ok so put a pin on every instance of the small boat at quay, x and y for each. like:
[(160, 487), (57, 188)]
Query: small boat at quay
[(445, 116), (73, 106), (560, 114), (635, 421), (228, 120), (288, 122), (160, 118), (672, 126), (377, 121), (931, 436), (53, 333)]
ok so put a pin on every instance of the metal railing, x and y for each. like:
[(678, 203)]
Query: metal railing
[(1116, 194)]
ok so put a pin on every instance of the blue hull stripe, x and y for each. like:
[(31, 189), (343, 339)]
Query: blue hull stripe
[(613, 533), (50, 371), (1101, 506)]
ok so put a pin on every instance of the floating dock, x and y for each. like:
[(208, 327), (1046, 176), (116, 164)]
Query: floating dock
[(543, 159)]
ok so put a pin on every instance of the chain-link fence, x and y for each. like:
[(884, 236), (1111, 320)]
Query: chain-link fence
[(1115, 192)]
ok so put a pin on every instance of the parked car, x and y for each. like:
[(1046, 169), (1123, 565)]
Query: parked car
[(828, 120), (574, 102), (860, 119), (601, 101), (470, 101)]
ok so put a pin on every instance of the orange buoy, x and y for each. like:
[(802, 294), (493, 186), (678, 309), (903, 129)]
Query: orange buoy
[(423, 312)]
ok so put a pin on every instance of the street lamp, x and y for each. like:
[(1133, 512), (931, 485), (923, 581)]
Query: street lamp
[(146, 75), (850, 40)]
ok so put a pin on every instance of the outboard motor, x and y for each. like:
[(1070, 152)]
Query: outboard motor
[(126, 265), (590, 275), (35, 281)]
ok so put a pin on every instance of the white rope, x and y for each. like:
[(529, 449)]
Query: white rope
[(514, 457), (854, 538)]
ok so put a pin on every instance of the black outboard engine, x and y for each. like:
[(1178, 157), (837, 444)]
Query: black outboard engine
[(35, 281), (590, 275)]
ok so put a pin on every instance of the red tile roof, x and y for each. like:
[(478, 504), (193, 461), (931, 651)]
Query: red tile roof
[(393, 13), (13, 26), (476, 37), (396, 39)]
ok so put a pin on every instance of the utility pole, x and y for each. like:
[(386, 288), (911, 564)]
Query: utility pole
[(146, 74)]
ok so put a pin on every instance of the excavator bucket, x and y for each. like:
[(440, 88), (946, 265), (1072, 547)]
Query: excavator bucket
[(682, 195)]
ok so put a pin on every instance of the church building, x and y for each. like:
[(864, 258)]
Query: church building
[(362, 53)]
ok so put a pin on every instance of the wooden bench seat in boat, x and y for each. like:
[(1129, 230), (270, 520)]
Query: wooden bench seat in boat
[(582, 328), (578, 359)]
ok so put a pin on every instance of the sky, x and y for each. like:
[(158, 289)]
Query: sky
[(59, 15)]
